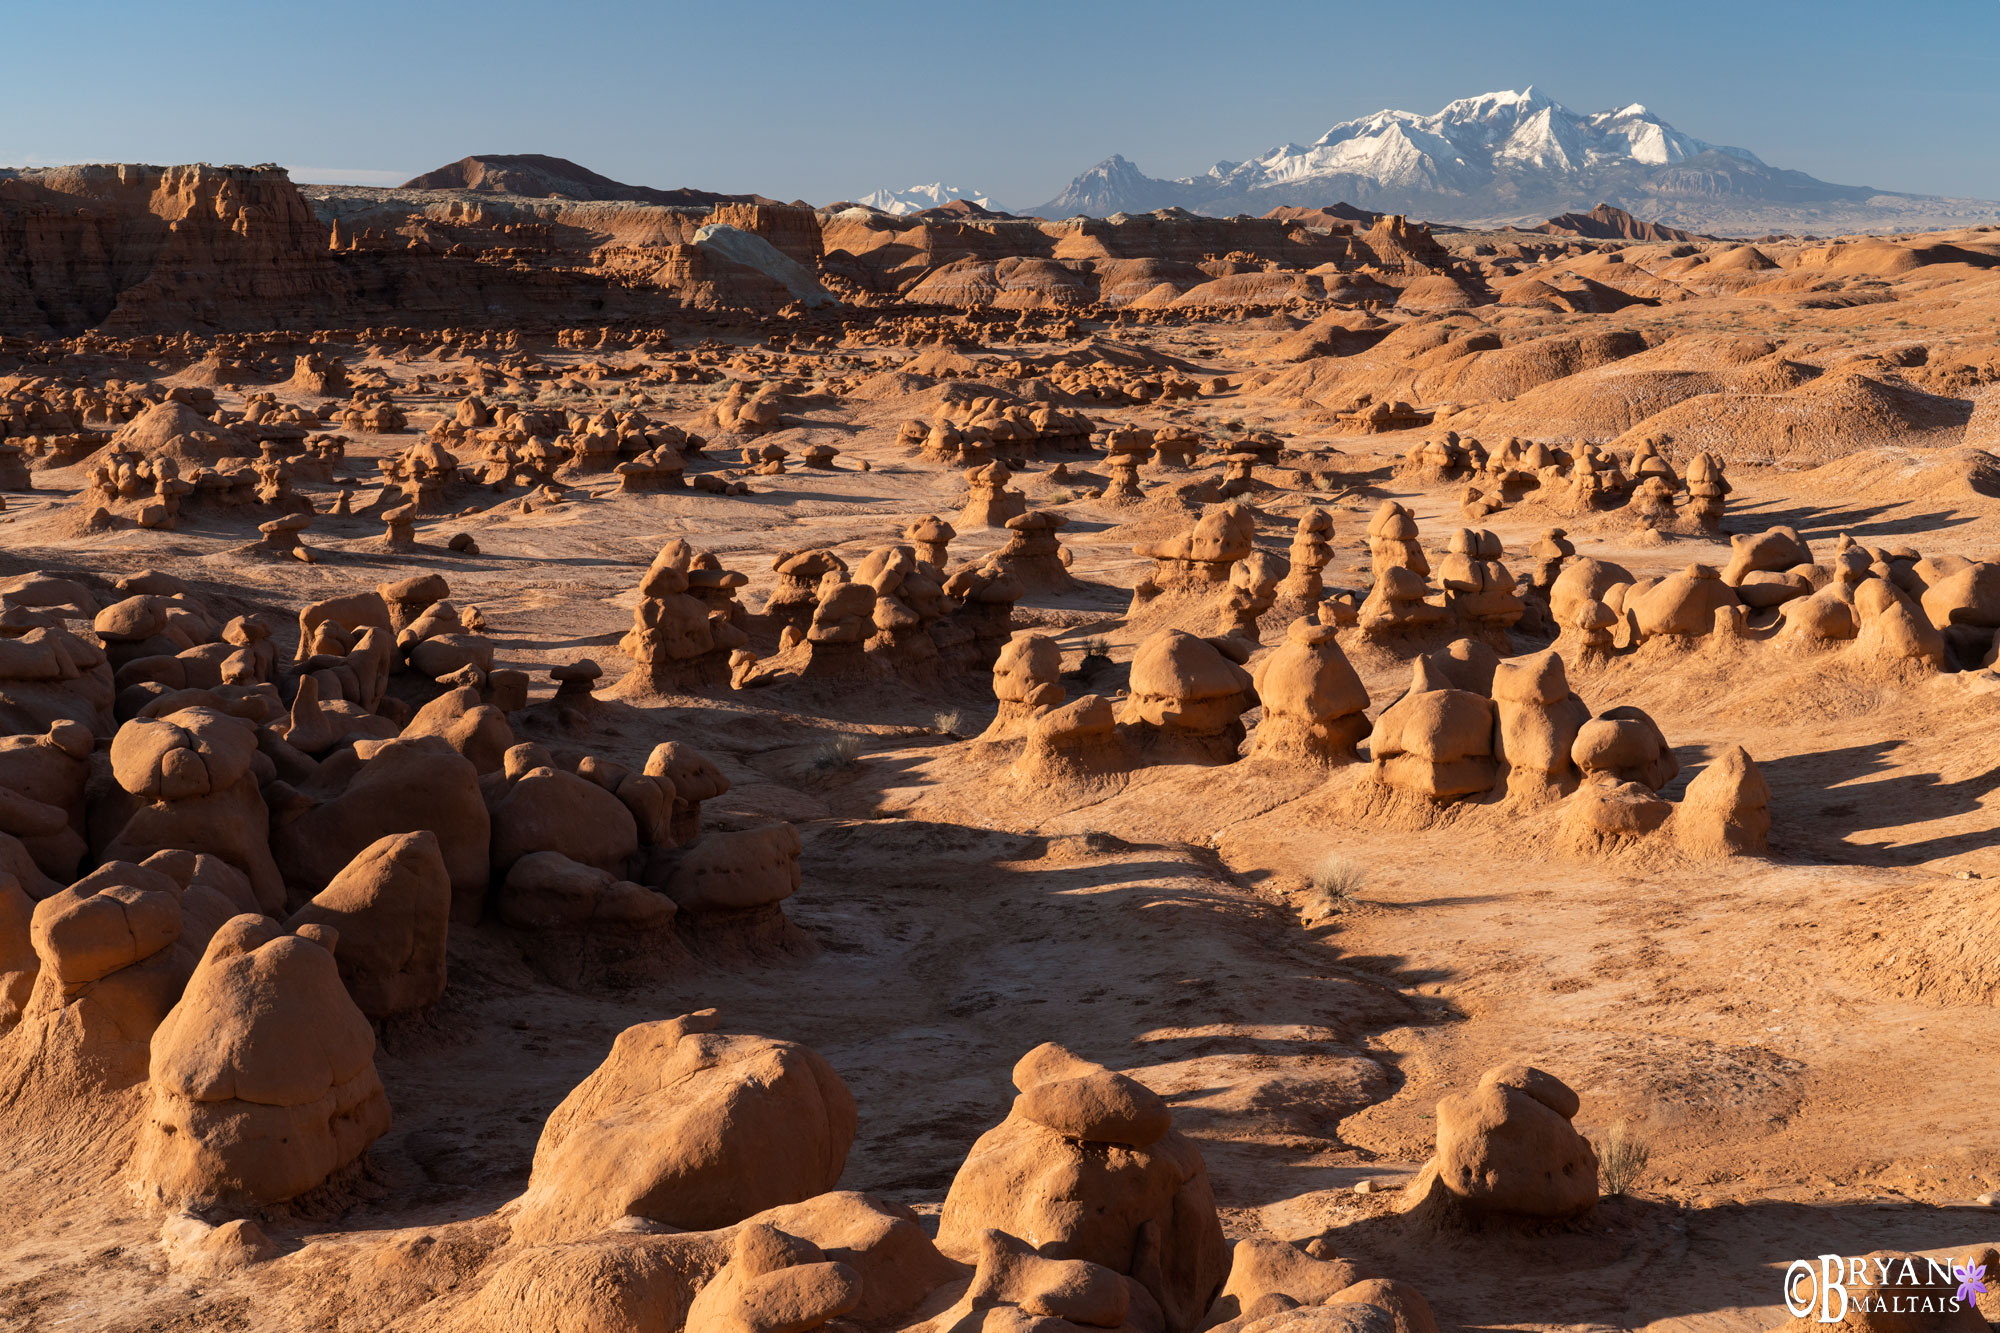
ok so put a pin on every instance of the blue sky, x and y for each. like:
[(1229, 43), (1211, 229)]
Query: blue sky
[(826, 101)]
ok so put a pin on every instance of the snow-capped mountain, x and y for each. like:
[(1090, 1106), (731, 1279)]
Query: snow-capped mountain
[(920, 197), (1508, 156), (1115, 186), (1470, 142)]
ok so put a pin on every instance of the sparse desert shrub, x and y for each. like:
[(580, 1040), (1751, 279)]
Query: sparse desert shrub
[(835, 753), (953, 722), (1621, 1159), (1335, 881)]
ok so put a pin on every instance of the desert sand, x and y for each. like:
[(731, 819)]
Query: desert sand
[(623, 766)]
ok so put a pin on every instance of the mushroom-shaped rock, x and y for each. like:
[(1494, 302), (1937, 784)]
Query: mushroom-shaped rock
[(992, 501), (262, 1077), (400, 527), (1549, 552), (282, 535), (1074, 746), (842, 621), (1625, 745), (675, 638), (1315, 706), (695, 779), (1392, 541), (1398, 602), (1143, 1209), (687, 1126), (1536, 724), (408, 599), (1192, 692), (932, 538), (1436, 741), (1033, 554), (799, 576), (582, 924), (1026, 681), (1507, 1146), (1477, 585), (575, 680), (1312, 548), (1123, 488)]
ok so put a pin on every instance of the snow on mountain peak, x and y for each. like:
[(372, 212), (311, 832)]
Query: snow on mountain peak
[(1472, 138), (917, 198), (1497, 154)]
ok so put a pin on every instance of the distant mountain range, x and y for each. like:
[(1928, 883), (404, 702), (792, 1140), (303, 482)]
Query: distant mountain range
[(917, 198), (1502, 158), (1513, 157)]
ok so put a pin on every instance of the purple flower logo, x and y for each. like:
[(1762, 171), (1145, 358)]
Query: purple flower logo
[(1971, 1281)]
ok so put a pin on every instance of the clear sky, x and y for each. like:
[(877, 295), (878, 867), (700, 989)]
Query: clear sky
[(823, 101)]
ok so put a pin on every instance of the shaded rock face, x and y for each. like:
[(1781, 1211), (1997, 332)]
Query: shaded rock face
[(392, 787), (137, 247), (392, 907)]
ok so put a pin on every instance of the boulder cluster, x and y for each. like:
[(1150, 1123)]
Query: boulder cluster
[(1887, 607), (1642, 485), (897, 614), (220, 870), (694, 1171)]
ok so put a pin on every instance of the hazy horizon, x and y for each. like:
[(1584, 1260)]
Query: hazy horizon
[(812, 102)]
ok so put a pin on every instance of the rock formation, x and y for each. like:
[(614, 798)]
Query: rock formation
[(1087, 1166), (687, 1126)]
